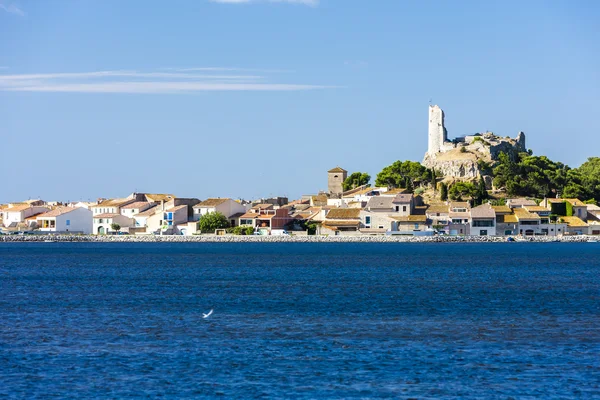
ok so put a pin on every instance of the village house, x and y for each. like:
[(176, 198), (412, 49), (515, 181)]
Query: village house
[(560, 207), (376, 216), (14, 217), (520, 202), (593, 219), (66, 219), (575, 226), (529, 223), (507, 223), (409, 224), (458, 217), (483, 221), (108, 212), (438, 214), (231, 209), (342, 221)]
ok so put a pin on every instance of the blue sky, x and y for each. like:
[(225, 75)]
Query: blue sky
[(257, 98)]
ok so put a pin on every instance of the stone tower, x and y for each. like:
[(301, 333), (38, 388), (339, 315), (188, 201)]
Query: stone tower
[(335, 180), (521, 146), (437, 131)]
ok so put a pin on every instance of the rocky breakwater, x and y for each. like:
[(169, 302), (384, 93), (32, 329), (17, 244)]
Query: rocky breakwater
[(281, 239)]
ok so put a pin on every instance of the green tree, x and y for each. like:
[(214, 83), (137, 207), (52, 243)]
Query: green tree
[(481, 193), (356, 179), (443, 191), (461, 190), (399, 173), (208, 223), (115, 227)]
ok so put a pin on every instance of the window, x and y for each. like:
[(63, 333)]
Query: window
[(381, 227), (483, 223), (404, 208), (68, 222), (368, 220), (416, 226), (397, 208), (100, 221)]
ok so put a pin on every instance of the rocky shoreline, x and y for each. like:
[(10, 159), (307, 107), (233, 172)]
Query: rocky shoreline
[(284, 239)]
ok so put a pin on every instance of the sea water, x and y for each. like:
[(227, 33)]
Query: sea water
[(342, 320)]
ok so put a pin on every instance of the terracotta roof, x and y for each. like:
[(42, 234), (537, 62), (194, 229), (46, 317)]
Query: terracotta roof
[(106, 215), (113, 203), (265, 216), (502, 209), (341, 223), (159, 196), (137, 204), (319, 200), (521, 202), (18, 208), (506, 219), (343, 213), (459, 204), (34, 216), (523, 214), (483, 211), (536, 208), (262, 206), (438, 208), (575, 202), (56, 212), (411, 218), (556, 200), (403, 198), (380, 202), (211, 202), (249, 215), (146, 213), (176, 208), (573, 222), (337, 169)]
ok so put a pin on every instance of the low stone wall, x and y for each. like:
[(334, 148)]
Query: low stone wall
[(282, 239)]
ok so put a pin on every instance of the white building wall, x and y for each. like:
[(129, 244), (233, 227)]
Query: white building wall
[(19, 216), (79, 220)]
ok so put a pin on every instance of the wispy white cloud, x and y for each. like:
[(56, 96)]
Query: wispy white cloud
[(121, 74), (312, 3), (141, 82), (160, 87), (11, 7)]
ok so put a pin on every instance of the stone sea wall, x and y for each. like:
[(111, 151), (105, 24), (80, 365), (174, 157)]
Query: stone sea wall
[(281, 239)]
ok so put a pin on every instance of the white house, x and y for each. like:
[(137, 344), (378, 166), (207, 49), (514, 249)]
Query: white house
[(66, 219), (227, 207), (483, 220), (132, 209), (102, 222), (15, 215)]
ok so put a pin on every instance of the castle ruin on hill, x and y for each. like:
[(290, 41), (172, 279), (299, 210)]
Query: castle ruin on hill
[(460, 157)]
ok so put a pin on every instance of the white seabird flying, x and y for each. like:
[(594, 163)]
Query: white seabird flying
[(207, 315)]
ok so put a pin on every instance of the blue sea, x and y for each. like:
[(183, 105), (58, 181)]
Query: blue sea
[(339, 320)]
